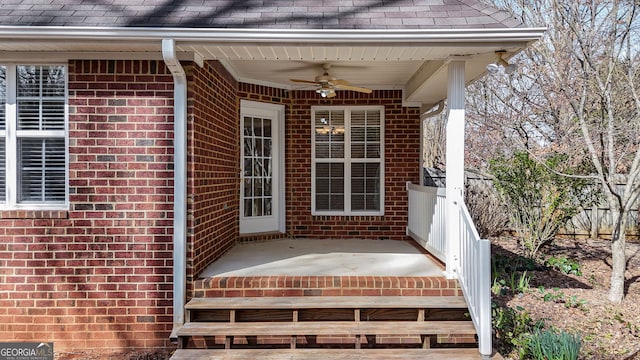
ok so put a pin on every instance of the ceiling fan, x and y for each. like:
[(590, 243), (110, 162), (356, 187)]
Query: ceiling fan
[(329, 84)]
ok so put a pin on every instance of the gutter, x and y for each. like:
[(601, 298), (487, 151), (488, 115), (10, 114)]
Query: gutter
[(179, 183), (301, 37)]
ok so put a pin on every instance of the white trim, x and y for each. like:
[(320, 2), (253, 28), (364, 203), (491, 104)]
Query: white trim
[(58, 56), (11, 135), (406, 37), (347, 161), (277, 114)]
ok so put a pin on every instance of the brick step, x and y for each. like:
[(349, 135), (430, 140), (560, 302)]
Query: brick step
[(275, 286), (327, 354)]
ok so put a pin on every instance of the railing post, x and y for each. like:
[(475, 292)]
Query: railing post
[(484, 293)]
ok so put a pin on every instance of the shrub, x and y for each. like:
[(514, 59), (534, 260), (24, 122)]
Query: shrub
[(538, 199), (486, 208)]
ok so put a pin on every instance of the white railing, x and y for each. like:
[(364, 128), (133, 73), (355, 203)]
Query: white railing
[(474, 276), (427, 224), (427, 218)]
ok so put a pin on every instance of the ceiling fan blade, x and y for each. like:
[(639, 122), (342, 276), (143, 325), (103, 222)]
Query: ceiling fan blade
[(331, 94), (303, 81), (340, 82), (354, 88)]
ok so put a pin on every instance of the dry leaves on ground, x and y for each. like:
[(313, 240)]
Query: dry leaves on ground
[(578, 303)]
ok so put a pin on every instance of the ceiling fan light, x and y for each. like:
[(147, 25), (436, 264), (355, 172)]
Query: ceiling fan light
[(324, 92)]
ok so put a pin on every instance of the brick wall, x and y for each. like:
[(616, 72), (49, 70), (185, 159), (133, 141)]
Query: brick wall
[(214, 165), (99, 275), (402, 156)]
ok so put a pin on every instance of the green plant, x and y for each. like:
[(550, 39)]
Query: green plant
[(551, 345), (565, 265), (568, 301), (519, 284), (539, 200), (514, 282), (511, 326), (508, 274), (630, 325)]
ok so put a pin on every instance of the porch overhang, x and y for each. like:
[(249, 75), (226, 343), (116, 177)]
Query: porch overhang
[(415, 61)]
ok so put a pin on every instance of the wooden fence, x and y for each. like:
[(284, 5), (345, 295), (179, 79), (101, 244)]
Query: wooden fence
[(594, 222)]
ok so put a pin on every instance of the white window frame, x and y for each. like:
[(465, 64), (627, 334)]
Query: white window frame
[(347, 160), (11, 135)]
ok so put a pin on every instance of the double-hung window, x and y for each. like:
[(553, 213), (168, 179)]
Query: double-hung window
[(348, 160), (33, 137)]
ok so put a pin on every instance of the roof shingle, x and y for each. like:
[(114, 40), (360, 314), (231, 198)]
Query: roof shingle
[(284, 14)]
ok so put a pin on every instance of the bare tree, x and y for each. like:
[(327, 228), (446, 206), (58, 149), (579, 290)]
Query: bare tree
[(578, 90)]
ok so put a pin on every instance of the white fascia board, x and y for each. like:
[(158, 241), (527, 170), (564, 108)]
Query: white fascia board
[(409, 37), (16, 56)]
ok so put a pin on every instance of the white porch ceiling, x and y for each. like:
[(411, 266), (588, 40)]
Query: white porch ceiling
[(420, 71)]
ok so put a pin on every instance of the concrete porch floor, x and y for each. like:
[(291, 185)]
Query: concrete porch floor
[(324, 257)]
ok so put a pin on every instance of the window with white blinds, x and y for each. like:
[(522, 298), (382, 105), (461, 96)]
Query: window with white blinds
[(33, 136), (348, 160)]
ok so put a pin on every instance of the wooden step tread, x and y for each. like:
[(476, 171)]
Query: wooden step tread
[(327, 354), (327, 328), (327, 302)]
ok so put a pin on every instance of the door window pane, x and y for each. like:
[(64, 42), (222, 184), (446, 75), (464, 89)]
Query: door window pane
[(258, 166)]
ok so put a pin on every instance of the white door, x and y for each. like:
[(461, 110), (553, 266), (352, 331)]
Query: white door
[(262, 168)]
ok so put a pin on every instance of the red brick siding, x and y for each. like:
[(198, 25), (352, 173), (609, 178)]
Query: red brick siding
[(402, 156), (214, 165), (99, 275)]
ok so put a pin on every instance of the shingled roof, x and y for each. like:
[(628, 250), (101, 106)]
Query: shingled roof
[(282, 14)]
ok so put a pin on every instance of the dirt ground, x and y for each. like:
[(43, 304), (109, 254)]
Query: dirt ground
[(103, 355), (578, 303)]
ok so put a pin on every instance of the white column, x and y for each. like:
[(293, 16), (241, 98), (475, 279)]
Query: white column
[(454, 162)]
